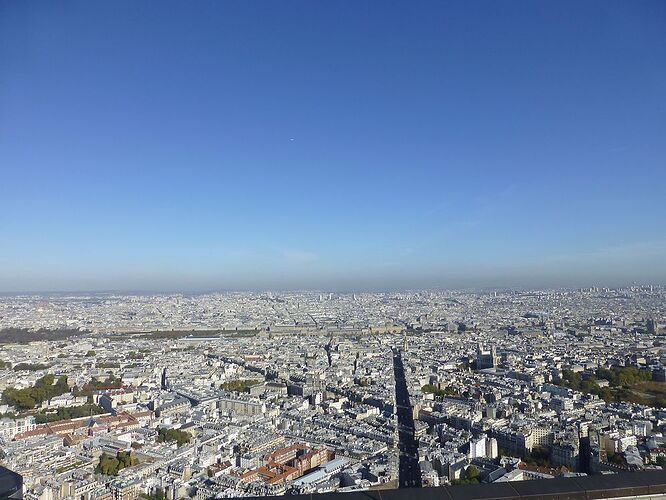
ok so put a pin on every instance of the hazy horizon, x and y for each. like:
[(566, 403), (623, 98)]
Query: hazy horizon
[(310, 145), (463, 285)]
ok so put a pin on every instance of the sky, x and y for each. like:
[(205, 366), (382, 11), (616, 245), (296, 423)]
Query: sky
[(337, 145)]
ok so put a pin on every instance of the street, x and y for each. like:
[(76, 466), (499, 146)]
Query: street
[(409, 471)]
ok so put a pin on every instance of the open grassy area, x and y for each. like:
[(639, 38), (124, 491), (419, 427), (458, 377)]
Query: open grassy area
[(652, 393), (656, 389)]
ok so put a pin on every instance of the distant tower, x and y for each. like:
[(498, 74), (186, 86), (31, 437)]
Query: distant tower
[(486, 358), (187, 472), (164, 383), (651, 326), (405, 346)]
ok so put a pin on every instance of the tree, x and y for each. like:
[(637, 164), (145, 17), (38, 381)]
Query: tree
[(170, 435), (69, 412), (472, 472), (19, 398), (157, 495), (46, 381), (43, 390), (242, 385), (110, 465), (606, 394), (431, 389), (571, 379), (125, 459), (107, 465), (90, 354), (589, 385), (31, 367), (607, 374), (61, 384), (616, 458)]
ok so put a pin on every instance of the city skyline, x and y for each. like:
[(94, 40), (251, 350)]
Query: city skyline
[(238, 146)]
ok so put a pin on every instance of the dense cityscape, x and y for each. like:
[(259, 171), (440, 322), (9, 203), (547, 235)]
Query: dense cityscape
[(322, 250), (111, 396)]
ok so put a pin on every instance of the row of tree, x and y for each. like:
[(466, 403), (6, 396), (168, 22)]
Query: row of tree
[(170, 435), (111, 382), (44, 389), (30, 367), (626, 376), (70, 412), (48, 387), (432, 389), (25, 335)]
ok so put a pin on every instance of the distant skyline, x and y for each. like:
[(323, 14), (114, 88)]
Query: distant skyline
[(331, 145)]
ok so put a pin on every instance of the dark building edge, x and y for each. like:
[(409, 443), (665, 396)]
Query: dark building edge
[(11, 484), (571, 488)]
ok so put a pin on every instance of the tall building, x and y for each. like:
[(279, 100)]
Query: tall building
[(486, 358), (651, 326), (483, 447)]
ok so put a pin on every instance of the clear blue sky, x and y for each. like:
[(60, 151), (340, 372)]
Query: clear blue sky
[(150, 145)]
